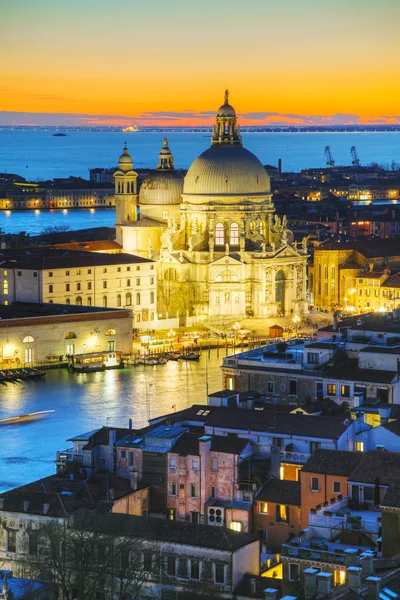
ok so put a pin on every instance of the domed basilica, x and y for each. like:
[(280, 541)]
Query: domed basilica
[(220, 248)]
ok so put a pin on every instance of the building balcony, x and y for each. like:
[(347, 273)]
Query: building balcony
[(293, 456), (68, 455)]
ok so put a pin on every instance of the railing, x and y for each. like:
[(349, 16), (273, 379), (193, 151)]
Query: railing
[(69, 455), (348, 523), (301, 457)]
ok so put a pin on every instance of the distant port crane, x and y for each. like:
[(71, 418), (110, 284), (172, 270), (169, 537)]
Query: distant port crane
[(355, 161), (329, 158)]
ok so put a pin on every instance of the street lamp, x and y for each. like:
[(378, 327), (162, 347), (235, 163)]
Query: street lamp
[(235, 328), (296, 321)]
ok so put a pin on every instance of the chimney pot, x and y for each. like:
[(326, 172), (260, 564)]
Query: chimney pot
[(310, 583), (374, 588), (324, 584), (354, 579), (270, 594), (253, 586)]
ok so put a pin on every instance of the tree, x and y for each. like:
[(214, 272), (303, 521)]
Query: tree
[(83, 561), (54, 229)]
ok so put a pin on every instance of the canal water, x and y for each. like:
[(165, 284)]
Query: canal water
[(82, 402)]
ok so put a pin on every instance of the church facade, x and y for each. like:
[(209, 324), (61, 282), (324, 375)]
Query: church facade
[(220, 248)]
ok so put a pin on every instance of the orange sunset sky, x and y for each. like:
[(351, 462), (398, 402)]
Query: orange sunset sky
[(167, 62)]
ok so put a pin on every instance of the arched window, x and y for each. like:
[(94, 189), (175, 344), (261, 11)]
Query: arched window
[(234, 237), (219, 234), (105, 301), (128, 299), (119, 300), (261, 227), (70, 335), (89, 301), (28, 339), (170, 275), (151, 297), (110, 332), (78, 301), (226, 275), (67, 301)]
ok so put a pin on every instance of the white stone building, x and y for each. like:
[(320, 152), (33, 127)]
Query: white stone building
[(221, 249), (31, 334)]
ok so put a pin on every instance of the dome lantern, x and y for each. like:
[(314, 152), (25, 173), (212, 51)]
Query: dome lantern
[(125, 162), (226, 131), (166, 159)]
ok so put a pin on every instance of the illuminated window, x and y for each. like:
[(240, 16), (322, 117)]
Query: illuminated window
[(70, 335), (331, 389), (110, 332), (234, 236), (236, 526), (226, 275), (5, 287), (28, 339), (165, 215), (282, 513), (339, 577), (359, 446), (219, 234), (345, 391), (264, 508)]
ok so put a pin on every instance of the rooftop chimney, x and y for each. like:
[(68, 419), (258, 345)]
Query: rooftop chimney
[(46, 508), (350, 557), (374, 588), (324, 584), (354, 579), (310, 583), (26, 505), (134, 480), (253, 586), (270, 594)]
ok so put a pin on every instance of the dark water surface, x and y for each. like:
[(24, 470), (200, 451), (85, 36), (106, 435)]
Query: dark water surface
[(86, 401)]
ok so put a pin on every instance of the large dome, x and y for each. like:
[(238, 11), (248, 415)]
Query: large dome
[(227, 170), (161, 187)]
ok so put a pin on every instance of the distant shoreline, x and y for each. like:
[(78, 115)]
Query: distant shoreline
[(247, 129)]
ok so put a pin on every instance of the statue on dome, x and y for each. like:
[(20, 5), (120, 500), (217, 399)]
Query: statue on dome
[(226, 97)]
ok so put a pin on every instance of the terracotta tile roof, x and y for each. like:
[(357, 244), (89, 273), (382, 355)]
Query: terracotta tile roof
[(333, 462), (281, 492), (267, 420), (392, 497), (378, 463), (63, 495), (175, 532)]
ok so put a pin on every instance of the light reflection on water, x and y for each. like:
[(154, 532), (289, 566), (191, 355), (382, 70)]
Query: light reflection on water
[(85, 401)]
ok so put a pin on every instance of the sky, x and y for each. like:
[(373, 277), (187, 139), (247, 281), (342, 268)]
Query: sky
[(168, 62)]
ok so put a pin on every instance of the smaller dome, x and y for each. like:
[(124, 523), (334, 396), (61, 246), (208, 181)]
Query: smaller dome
[(125, 162), (162, 188), (226, 110)]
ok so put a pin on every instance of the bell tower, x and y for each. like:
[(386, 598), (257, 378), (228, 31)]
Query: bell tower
[(126, 196)]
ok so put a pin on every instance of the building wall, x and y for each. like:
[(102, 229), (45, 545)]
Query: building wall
[(277, 533), (137, 503), (52, 336), (115, 286), (390, 532), (310, 499)]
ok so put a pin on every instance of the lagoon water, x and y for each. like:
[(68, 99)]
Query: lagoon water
[(38, 155), (83, 402)]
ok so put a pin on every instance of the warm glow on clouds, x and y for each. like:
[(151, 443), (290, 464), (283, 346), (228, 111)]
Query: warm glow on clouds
[(168, 62)]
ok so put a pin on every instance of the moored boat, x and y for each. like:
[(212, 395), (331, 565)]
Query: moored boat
[(96, 361)]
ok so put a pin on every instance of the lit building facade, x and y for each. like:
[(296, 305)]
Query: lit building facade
[(221, 249)]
